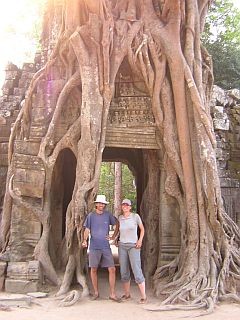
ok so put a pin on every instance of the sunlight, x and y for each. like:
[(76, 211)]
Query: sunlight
[(19, 26), (19, 23)]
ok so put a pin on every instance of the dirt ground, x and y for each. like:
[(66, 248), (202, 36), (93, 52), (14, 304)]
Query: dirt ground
[(48, 308), (104, 309)]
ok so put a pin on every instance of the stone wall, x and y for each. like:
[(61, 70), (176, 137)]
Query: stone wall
[(29, 172), (13, 92), (225, 110)]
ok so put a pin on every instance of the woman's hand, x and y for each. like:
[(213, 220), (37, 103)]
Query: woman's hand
[(138, 244)]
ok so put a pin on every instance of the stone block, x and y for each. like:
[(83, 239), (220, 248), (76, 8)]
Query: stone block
[(10, 74), (29, 67), (29, 270), (29, 182), (25, 232), (2, 120), (5, 113), (37, 132), (7, 91), (219, 96), (3, 99), (19, 92), (21, 286), (11, 67), (28, 162), (221, 124), (24, 83), (3, 148), (10, 84), (218, 109), (26, 147), (235, 94), (3, 160)]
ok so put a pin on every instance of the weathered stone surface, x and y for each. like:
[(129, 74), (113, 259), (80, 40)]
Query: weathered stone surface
[(28, 162), (16, 300), (37, 294), (3, 267), (219, 96), (2, 120), (26, 147), (11, 67), (24, 270), (21, 286), (25, 234), (234, 93), (131, 124)]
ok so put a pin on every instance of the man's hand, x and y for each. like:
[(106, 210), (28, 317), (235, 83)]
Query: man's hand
[(84, 244)]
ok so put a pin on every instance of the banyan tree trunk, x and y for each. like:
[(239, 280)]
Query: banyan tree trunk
[(161, 40)]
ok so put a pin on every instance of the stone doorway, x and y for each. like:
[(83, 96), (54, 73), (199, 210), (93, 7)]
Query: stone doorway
[(63, 179), (144, 164)]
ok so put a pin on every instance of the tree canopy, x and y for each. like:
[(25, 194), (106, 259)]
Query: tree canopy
[(222, 39)]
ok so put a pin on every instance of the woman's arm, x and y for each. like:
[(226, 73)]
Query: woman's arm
[(142, 231), (116, 231)]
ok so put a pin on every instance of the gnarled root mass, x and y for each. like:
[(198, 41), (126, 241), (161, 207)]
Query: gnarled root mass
[(161, 40)]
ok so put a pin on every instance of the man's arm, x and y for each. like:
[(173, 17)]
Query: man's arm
[(85, 237)]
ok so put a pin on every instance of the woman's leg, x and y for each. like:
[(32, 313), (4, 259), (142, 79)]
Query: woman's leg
[(124, 269), (135, 261)]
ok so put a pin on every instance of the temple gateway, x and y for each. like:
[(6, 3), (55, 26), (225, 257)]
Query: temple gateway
[(131, 137)]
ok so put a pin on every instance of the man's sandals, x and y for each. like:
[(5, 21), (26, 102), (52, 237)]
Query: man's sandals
[(115, 299), (94, 297), (142, 300), (125, 297)]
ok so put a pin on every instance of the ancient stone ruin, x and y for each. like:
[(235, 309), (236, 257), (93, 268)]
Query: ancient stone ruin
[(130, 132), (103, 88)]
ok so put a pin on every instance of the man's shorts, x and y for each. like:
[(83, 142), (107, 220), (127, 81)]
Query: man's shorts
[(101, 258)]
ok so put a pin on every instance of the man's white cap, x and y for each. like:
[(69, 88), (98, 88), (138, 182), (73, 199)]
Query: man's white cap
[(101, 198)]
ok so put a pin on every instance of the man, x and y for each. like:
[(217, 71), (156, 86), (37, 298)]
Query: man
[(100, 255)]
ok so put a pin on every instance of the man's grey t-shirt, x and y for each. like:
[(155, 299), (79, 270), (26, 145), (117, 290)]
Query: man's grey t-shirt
[(98, 224), (128, 228)]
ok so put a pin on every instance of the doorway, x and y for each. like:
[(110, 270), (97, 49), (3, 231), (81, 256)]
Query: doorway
[(63, 180)]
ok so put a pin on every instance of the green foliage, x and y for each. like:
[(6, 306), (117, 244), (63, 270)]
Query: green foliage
[(222, 39), (106, 183)]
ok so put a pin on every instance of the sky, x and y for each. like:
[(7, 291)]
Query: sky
[(18, 21), (17, 18)]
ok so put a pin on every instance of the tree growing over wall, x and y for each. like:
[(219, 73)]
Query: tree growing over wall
[(161, 40)]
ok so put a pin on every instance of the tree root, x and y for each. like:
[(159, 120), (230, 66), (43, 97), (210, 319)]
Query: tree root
[(230, 297), (72, 297), (176, 307), (207, 303)]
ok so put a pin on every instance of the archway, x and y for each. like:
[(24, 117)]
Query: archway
[(63, 179), (144, 163)]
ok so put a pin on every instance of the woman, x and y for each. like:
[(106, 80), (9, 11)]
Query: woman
[(129, 248)]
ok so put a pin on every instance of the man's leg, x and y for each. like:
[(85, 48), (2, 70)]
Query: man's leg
[(112, 281), (94, 279), (94, 259)]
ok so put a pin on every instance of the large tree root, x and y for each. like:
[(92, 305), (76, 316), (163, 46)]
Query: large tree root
[(71, 298)]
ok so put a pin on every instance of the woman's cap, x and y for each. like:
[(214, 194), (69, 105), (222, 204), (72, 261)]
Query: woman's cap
[(101, 198), (127, 201)]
